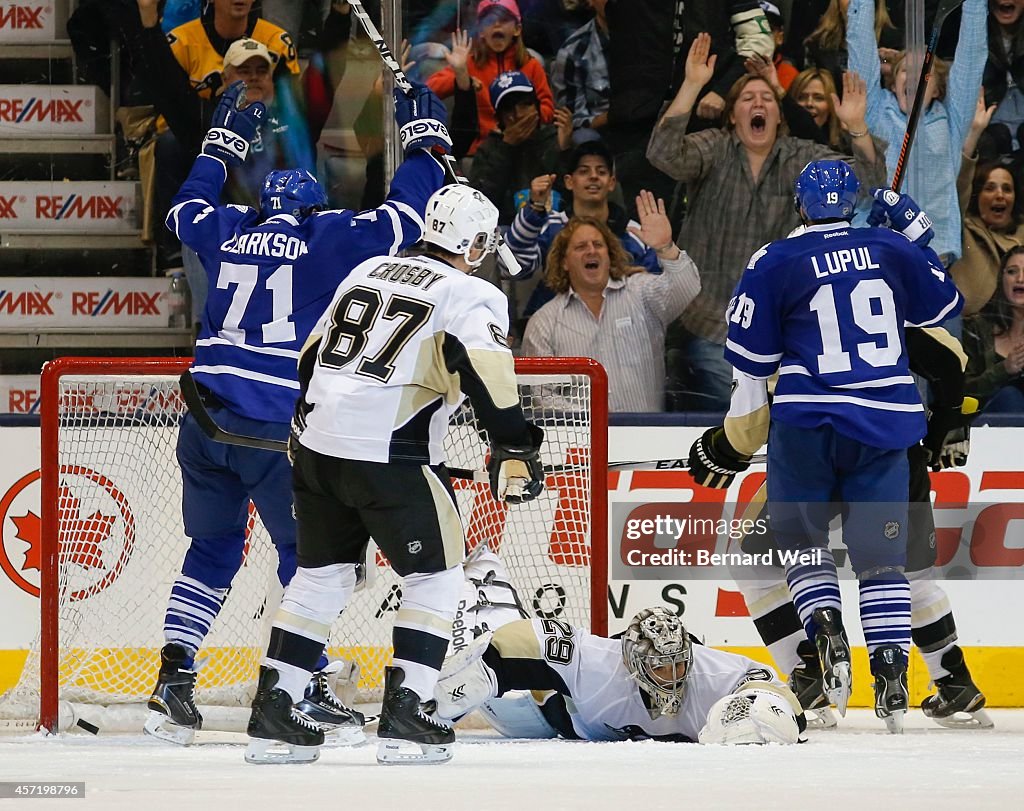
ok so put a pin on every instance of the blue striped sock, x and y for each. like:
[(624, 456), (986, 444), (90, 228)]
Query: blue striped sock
[(814, 586), (885, 612), (191, 610)]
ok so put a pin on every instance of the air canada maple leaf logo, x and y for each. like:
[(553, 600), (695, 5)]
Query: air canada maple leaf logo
[(96, 528)]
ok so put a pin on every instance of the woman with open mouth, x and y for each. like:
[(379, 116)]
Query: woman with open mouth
[(994, 342), (993, 217), (740, 192)]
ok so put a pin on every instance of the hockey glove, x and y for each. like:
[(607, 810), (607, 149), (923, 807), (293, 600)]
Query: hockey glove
[(902, 214), (234, 126), (714, 462), (422, 120), (948, 440), (515, 470)]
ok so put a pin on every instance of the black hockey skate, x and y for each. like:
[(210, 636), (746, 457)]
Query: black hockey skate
[(174, 716), (280, 733), (404, 718), (889, 667), (805, 682), (341, 725), (957, 694), (834, 653)]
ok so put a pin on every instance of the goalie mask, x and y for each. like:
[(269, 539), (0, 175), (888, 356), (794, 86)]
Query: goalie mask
[(657, 653), (460, 220)]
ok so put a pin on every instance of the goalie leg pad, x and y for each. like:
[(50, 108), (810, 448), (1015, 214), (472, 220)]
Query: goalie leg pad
[(517, 715), (466, 681)]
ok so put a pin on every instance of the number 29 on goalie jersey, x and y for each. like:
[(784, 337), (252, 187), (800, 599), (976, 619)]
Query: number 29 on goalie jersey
[(827, 309)]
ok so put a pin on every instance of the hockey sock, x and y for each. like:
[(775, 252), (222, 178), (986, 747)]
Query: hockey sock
[(423, 626), (771, 607), (933, 627), (312, 601), (813, 586), (191, 610), (885, 612)]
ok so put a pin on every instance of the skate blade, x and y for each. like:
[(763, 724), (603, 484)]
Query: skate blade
[(840, 694), (976, 719), (162, 728), (344, 736), (392, 753), (894, 721), (261, 751), (821, 718)]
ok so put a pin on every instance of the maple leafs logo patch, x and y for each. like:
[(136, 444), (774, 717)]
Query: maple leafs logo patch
[(96, 529)]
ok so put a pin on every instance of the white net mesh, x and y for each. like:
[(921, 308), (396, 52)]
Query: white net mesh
[(122, 543)]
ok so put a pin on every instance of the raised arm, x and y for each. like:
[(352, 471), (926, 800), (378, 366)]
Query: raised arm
[(968, 67), (863, 50)]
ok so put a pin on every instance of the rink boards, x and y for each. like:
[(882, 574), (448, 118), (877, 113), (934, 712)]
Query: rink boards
[(979, 516)]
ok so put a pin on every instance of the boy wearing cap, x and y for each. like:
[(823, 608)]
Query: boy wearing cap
[(590, 179), (512, 155)]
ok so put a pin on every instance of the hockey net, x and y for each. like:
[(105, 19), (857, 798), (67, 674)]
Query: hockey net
[(113, 542)]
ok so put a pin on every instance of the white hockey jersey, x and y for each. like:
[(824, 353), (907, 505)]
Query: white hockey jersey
[(401, 344), (603, 700)]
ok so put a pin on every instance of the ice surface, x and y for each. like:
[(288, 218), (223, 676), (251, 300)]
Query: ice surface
[(857, 766)]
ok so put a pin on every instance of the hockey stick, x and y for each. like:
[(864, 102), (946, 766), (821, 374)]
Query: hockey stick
[(946, 7), (550, 470), (452, 174), (197, 408)]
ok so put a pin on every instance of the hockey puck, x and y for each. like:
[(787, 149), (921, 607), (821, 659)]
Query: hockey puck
[(92, 729)]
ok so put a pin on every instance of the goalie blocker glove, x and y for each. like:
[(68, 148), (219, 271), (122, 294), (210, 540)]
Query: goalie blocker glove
[(902, 214), (515, 470), (233, 127), (714, 462), (422, 120)]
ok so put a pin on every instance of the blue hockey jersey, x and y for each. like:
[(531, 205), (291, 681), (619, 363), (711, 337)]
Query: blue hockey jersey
[(827, 308), (271, 281)]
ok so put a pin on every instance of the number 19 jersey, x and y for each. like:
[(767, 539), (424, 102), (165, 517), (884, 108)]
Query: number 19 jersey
[(403, 341), (827, 309)]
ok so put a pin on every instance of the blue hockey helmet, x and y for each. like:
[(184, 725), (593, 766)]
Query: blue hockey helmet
[(291, 191), (826, 190)]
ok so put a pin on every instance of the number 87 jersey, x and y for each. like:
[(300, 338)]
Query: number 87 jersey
[(400, 344), (827, 310)]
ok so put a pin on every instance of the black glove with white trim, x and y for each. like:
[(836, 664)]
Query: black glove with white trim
[(515, 470), (714, 462)]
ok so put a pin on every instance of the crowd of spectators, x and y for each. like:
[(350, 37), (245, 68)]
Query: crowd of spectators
[(638, 151)]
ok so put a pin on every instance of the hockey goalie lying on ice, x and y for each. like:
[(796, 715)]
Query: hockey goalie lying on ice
[(656, 682)]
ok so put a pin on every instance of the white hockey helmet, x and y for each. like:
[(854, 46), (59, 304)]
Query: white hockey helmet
[(460, 219), (657, 653)]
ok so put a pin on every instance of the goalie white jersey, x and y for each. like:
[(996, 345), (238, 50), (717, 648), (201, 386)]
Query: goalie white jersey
[(604, 703), (399, 347)]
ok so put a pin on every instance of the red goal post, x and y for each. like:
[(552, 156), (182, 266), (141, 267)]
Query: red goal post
[(112, 540)]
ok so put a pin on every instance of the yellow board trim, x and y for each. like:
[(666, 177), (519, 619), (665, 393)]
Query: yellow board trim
[(995, 669)]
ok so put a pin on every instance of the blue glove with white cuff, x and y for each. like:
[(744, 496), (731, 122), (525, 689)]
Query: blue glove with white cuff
[(902, 214), (234, 126), (422, 120)]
